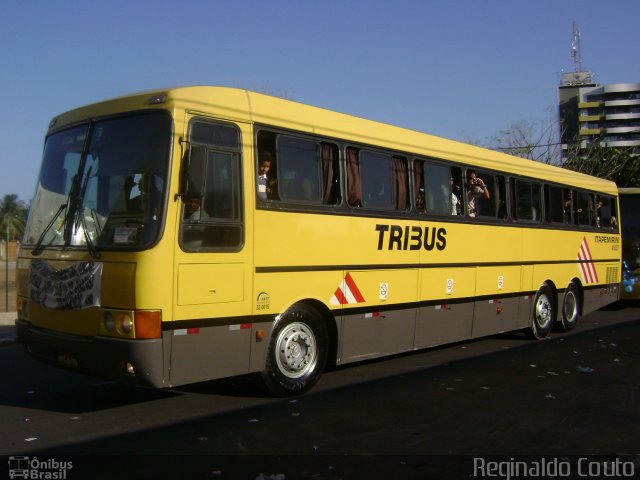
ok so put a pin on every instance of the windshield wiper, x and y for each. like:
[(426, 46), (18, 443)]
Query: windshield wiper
[(39, 247), (80, 220), (76, 209)]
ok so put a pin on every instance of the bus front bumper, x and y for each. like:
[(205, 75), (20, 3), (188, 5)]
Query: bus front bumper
[(135, 361)]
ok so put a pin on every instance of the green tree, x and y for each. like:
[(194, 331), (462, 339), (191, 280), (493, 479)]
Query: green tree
[(13, 214)]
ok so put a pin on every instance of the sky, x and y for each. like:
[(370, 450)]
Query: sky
[(460, 69)]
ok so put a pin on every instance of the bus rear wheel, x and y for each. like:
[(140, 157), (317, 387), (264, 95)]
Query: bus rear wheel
[(571, 308), (297, 352), (544, 313)]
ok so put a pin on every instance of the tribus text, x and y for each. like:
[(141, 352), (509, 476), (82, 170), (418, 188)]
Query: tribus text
[(395, 237)]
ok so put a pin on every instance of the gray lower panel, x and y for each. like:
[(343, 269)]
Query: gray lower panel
[(596, 298), (446, 323), (210, 352), (375, 335), (496, 316)]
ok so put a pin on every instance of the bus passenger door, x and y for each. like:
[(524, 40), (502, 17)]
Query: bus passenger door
[(213, 258)]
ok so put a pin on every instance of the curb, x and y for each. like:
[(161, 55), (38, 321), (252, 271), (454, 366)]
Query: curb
[(8, 328), (8, 318)]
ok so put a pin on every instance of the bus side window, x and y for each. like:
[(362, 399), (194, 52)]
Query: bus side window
[(585, 208), (442, 191), (527, 201), (487, 206), (299, 170), (606, 212), (377, 180), (569, 206), (554, 205)]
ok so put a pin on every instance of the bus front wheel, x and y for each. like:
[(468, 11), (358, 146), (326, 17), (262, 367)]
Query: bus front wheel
[(297, 352), (544, 313)]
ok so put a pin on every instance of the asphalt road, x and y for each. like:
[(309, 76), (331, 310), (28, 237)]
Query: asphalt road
[(430, 414)]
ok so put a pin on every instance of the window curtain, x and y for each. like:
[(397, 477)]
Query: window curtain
[(400, 179), (418, 182), (328, 162), (354, 184)]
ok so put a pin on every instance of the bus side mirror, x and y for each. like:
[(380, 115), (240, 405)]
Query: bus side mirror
[(196, 171)]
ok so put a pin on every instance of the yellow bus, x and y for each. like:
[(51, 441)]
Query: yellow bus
[(630, 224), (196, 233)]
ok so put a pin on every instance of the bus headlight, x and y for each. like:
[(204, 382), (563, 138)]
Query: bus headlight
[(109, 322)]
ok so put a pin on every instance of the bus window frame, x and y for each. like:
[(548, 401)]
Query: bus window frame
[(187, 225)]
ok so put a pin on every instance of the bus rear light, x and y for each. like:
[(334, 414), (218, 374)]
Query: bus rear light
[(148, 323)]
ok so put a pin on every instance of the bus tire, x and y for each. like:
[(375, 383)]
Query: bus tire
[(571, 308), (297, 352), (543, 314)]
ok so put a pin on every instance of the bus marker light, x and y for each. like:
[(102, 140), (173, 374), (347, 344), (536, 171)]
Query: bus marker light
[(193, 331), (148, 323), (156, 99), (128, 367), (260, 334)]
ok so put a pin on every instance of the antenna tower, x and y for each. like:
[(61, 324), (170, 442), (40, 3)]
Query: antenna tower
[(579, 76), (575, 49)]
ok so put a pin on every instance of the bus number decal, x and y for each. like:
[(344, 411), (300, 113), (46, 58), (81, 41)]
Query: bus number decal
[(395, 237), (262, 301)]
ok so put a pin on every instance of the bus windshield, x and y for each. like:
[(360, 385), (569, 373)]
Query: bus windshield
[(102, 184)]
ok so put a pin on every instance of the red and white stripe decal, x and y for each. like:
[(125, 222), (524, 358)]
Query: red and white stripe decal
[(585, 263), (347, 293)]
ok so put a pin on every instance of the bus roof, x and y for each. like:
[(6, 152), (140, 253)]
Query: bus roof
[(628, 191), (245, 106)]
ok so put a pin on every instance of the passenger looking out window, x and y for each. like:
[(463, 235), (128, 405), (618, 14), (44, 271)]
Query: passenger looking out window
[(266, 185), (476, 190), (192, 208)]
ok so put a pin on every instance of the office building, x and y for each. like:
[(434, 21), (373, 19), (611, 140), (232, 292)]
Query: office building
[(592, 113)]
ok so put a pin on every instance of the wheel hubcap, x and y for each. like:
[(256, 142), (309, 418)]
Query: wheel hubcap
[(570, 307), (296, 346), (543, 311)]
